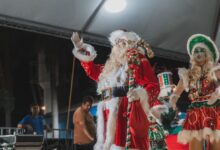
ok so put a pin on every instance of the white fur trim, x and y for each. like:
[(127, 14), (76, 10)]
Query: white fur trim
[(115, 147), (186, 136), (142, 93), (111, 123), (132, 36), (184, 75), (208, 132), (217, 135), (214, 96), (115, 36), (100, 127), (76, 52), (212, 72), (120, 34), (111, 79), (209, 39), (102, 143)]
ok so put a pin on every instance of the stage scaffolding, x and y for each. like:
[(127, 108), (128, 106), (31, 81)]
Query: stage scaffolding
[(16, 139)]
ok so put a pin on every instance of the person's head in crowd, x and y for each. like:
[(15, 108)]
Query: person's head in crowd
[(35, 109), (204, 55), (87, 103)]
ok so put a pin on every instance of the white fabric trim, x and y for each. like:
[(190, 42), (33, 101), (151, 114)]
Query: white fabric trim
[(115, 36), (102, 143), (212, 72), (214, 96), (76, 52), (120, 34), (208, 132), (131, 36), (111, 79), (142, 93), (217, 135), (186, 136), (111, 123), (100, 127), (115, 147), (184, 75)]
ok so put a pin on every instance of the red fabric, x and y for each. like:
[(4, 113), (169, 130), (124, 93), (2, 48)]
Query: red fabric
[(172, 143), (203, 116), (121, 124), (105, 116), (145, 77), (218, 119), (138, 120), (138, 125), (200, 118), (92, 70)]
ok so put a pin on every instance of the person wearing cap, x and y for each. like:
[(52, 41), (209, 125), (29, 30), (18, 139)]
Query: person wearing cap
[(202, 125), (128, 88)]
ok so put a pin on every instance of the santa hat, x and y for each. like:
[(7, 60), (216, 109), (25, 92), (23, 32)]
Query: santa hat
[(204, 41), (120, 34)]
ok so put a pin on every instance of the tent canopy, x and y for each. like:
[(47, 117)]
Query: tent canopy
[(165, 24)]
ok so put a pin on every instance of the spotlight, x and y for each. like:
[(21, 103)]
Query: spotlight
[(43, 107), (115, 6)]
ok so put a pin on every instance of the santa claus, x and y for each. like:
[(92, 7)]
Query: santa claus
[(129, 91)]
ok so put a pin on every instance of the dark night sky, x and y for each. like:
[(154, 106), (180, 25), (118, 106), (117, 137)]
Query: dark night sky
[(18, 51)]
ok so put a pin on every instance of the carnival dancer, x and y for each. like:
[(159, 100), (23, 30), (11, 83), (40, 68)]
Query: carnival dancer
[(202, 125), (128, 88)]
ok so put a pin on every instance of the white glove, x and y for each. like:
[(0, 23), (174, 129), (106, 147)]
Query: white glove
[(77, 42), (132, 95)]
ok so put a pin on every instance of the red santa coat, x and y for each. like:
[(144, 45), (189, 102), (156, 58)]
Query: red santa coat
[(112, 114)]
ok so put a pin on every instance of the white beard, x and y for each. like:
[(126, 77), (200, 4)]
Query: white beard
[(114, 72), (116, 77)]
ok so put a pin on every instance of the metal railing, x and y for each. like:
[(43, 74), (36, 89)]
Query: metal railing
[(58, 138), (11, 131), (8, 137)]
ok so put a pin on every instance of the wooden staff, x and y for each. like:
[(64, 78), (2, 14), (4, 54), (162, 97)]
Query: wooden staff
[(70, 95)]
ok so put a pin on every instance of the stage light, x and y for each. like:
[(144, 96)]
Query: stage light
[(115, 6), (43, 107)]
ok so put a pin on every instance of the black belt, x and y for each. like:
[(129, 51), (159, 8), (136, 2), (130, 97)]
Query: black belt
[(109, 93)]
